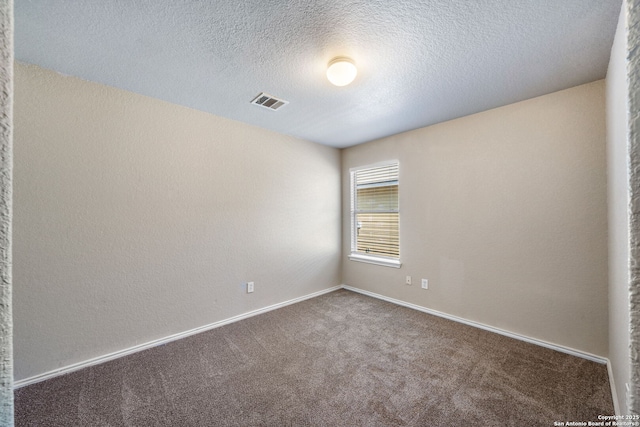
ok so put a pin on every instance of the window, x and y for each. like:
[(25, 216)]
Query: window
[(375, 214)]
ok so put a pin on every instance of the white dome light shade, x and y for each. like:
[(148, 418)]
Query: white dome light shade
[(341, 71)]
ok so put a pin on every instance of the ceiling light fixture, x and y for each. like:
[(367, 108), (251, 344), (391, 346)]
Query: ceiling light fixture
[(341, 71)]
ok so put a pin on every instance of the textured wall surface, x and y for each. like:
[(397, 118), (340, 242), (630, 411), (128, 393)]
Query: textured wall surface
[(633, 12), (420, 61), (137, 219), (6, 177), (505, 213), (618, 212)]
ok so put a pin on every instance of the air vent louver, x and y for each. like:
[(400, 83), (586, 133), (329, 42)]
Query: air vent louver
[(269, 102)]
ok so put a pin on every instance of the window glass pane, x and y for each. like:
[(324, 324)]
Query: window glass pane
[(375, 211), (377, 198), (377, 234)]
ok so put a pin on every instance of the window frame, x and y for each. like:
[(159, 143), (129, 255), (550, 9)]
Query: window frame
[(354, 255)]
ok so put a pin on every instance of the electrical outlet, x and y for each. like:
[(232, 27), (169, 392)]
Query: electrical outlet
[(425, 284), (408, 280), (249, 287)]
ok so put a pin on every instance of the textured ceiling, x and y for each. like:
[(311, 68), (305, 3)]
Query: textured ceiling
[(419, 62)]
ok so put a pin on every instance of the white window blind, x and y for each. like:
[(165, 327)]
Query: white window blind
[(375, 211)]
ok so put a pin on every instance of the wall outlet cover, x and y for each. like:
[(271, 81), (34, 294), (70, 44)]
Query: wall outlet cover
[(249, 287)]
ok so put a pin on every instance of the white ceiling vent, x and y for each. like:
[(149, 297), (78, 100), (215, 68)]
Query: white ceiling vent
[(269, 102)]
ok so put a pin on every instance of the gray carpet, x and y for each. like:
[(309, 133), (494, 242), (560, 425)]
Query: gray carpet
[(341, 359)]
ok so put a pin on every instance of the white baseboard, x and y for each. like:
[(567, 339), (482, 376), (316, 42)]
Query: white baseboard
[(111, 356), (541, 343)]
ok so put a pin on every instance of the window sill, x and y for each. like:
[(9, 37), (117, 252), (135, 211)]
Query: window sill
[(385, 262)]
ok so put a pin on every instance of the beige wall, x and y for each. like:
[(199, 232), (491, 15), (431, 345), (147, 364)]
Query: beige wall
[(505, 213), (618, 202), (136, 219)]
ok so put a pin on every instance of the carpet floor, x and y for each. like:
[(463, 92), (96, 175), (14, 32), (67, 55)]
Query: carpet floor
[(341, 359)]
